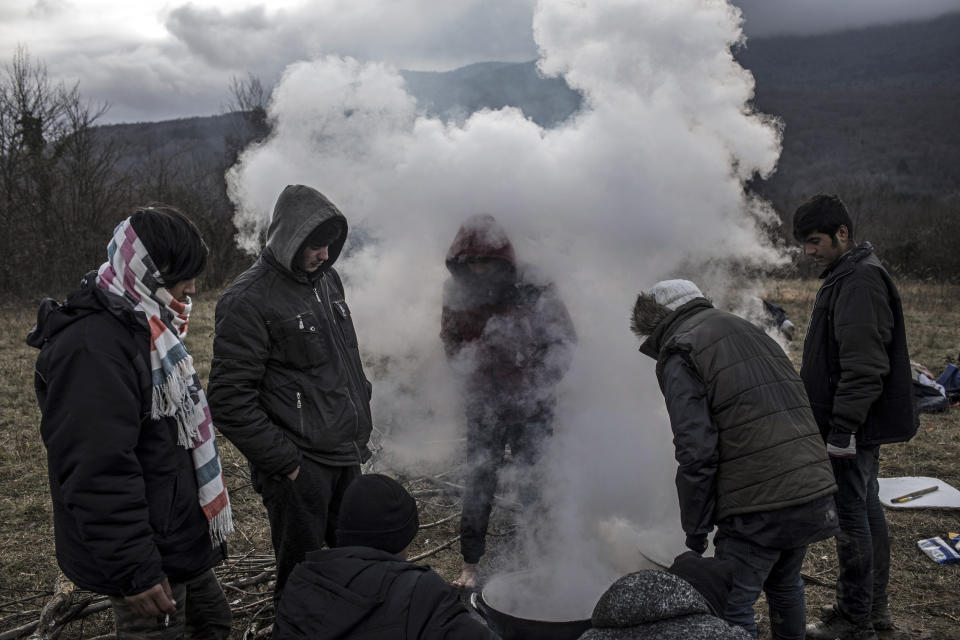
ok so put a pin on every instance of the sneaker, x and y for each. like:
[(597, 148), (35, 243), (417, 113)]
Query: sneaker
[(879, 618), (834, 626)]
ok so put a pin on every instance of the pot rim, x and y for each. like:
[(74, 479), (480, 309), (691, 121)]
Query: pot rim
[(510, 617)]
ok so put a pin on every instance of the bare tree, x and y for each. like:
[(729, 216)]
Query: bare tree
[(56, 179)]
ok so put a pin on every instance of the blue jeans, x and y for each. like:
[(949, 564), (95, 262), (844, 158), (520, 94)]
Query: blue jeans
[(863, 547), (774, 571)]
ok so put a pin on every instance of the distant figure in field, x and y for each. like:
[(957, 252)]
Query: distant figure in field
[(751, 461), (856, 371), (768, 315), (510, 340), (139, 505), (364, 588)]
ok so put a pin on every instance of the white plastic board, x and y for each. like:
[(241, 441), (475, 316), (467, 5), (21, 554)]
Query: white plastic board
[(945, 497)]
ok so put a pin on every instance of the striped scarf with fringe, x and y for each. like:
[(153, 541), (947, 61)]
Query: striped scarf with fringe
[(131, 273)]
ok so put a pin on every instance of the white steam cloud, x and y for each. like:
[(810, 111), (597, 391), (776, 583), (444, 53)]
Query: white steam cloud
[(648, 177)]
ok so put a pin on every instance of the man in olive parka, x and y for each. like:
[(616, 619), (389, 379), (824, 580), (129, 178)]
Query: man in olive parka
[(750, 459), (287, 385)]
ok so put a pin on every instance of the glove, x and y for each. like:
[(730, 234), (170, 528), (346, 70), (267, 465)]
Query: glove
[(841, 444), (696, 542)]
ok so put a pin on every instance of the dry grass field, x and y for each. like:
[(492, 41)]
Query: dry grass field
[(925, 597)]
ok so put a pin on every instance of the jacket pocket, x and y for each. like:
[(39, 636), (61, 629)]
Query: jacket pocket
[(162, 505), (300, 342), (342, 316)]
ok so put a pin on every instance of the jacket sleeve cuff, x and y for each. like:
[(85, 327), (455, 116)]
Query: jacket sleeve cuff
[(839, 437)]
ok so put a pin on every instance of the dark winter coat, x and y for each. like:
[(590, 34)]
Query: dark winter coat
[(856, 368), (286, 378), (508, 333), (125, 505), (745, 439), (657, 605), (361, 592)]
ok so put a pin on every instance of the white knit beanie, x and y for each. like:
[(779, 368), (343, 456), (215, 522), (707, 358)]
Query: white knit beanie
[(675, 293)]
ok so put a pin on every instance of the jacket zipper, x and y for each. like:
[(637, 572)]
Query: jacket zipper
[(352, 375), (300, 412), (816, 300)]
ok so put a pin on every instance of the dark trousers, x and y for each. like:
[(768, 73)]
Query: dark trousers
[(303, 512), (774, 571), (487, 439), (202, 614), (863, 547)]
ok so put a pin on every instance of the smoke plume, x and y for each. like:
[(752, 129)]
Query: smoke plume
[(649, 176)]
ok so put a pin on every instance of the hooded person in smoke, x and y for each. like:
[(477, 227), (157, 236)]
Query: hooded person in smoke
[(287, 386), (510, 339), (751, 460)]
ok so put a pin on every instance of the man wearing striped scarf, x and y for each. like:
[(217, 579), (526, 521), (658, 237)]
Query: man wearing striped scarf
[(140, 509)]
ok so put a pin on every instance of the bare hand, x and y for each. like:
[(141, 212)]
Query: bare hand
[(468, 577), (293, 474), (155, 601)]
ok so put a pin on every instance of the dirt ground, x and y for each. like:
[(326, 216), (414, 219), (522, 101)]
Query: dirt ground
[(924, 597)]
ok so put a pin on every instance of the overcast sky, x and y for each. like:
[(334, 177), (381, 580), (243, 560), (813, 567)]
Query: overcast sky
[(156, 59)]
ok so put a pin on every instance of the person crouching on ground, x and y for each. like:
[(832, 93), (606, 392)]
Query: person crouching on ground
[(682, 603), (365, 588), (752, 463)]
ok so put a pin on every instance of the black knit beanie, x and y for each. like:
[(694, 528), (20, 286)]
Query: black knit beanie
[(377, 512)]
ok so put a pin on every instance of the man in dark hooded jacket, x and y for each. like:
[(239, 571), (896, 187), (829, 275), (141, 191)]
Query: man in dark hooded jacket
[(287, 386), (140, 511), (856, 370), (365, 588), (509, 337), (751, 461)]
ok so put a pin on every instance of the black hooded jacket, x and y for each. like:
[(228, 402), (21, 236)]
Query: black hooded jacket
[(286, 379), (125, 505), (856, 367), (362, 592)]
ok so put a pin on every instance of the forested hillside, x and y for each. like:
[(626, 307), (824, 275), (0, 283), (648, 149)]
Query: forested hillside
[(872, 116)]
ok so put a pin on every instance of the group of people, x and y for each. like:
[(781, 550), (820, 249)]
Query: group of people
[(772, 460)]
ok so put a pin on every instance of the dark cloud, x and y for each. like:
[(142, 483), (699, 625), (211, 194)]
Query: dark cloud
[(416, 33), (152, 63)]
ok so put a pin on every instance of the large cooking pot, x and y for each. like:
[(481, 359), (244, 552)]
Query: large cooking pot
[(505, 600)]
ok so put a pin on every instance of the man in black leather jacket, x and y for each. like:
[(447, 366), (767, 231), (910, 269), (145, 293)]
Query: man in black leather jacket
[(287, 386), (856, 371)]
